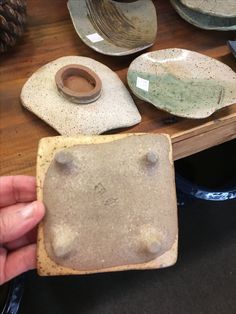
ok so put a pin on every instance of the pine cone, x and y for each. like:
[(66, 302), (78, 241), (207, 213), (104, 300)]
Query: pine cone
[(12, 22)]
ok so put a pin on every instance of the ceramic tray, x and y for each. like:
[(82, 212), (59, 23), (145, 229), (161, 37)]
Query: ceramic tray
[(202, 20), (224, 8), (115, 27), (182, 82), (113, 109)]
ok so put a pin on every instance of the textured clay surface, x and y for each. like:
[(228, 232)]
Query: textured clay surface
[(110, 204), (78, 84)]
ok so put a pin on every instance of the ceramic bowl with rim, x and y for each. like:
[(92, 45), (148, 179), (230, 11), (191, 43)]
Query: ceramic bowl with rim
[(202, 20), (223, 8), (182, 82), (115, 27)]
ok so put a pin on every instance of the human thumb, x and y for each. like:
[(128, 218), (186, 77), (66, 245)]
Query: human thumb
[(18, 219)]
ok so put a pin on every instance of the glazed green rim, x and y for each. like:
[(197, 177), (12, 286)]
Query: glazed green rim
[(186, 12)]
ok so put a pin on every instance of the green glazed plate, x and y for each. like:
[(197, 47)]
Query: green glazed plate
[(223, 8), (115, 27), (202, 20), (182, 82)]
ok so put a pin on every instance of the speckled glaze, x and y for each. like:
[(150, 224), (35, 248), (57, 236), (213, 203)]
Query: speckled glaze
[(113, 109), (202, 20), (182, 82), (224, 8), (121, 27)]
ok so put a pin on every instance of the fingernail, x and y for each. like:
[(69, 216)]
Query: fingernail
[(27, 211)]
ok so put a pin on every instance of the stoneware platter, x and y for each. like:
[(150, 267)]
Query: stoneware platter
[(115, 27), (113, 109), (224, 8), (182, 82), (202, 20), (119, 196)]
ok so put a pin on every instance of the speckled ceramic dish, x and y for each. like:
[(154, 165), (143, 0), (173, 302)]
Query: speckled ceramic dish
[(182, 82), (224, 8), (113, 109), (202, 20), (115, 27)]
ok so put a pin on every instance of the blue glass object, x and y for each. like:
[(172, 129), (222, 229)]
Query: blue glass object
[(232, 46), (187, 190), (14, 296)]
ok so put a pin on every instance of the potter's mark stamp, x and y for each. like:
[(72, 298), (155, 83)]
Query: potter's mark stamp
[(100, 189), (110, 201)]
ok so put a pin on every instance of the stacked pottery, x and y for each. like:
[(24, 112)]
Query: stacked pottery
[(211, 14)]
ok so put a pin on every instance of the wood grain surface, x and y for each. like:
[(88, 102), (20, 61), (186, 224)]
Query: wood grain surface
[(50, 34)]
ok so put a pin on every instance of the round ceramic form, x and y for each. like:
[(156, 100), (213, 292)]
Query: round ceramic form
[(113, 109), (182, 82), (202, 20), (78, 84), (224, 8), (115, 27)]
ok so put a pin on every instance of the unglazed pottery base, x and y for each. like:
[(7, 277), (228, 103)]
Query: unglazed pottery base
[(182, 82), (224, 8), (78, 84), (111, 204), (115, 27), (202, 20), (113, 109)]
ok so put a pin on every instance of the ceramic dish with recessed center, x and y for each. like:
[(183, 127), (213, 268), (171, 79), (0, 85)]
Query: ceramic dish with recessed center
[(182, 82), (204, 21), (223, 8), (114, 27)]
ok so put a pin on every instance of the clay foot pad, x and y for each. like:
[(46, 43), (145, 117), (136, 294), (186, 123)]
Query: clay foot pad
[(113, 109), (183, 82), (115, 27), (111, 204)]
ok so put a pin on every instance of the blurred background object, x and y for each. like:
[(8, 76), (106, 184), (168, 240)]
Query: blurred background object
[(12, 22), (232, 46)]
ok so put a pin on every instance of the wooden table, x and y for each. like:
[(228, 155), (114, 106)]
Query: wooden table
[(50, 34)]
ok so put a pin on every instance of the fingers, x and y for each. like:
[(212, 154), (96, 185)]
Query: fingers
[(17, 262), (17, 220), (26, 239), (16, 189)]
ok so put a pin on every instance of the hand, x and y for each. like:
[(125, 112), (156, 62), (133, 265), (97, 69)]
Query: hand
[(19, 214)]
